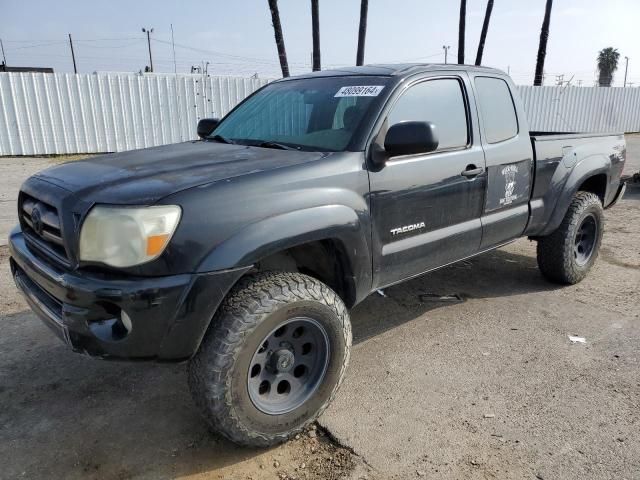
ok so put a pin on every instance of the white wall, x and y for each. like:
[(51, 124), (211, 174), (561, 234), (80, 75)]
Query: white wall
[(582, 109), (65, 113)]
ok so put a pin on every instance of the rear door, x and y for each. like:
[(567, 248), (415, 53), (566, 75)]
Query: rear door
[(426, 208), (509, 160)]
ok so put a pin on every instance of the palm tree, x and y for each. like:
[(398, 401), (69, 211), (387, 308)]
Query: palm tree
[(277, 30), (362, 32), (483, 34), (315, 28), (542, 47), (461, 30), (607, 65)]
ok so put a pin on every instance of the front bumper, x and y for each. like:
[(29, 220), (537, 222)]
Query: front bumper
[(168, 315)]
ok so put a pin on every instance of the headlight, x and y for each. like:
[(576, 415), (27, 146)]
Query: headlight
[(127, 236)]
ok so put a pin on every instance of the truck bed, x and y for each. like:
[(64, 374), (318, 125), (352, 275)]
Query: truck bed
[(558, 156)]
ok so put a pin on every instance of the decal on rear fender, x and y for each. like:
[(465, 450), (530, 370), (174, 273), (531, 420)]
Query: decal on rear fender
[(508, 185)]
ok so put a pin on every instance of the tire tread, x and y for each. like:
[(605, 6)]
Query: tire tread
[(210, 370), (555, 251)]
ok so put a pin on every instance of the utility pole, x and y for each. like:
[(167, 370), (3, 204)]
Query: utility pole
[(73, 55), (626, 67), (4, 58), (446, 51), (173, 46), (148, 31)]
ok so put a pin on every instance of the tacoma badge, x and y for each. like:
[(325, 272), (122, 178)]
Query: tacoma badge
[(407, 228)]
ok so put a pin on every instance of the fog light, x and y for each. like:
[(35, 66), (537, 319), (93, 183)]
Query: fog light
[(112, 329)]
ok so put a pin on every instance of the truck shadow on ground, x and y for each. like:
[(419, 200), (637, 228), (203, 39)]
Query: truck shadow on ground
[(69, 416), (633, 191), (495, 274)]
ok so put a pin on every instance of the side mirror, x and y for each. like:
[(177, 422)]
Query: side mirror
[(206, 126), (405, 138)]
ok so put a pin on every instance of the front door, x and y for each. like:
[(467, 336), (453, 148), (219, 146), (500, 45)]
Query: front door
[(426, 208)]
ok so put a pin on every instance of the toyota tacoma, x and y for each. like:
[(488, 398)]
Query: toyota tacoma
[(243, 252)]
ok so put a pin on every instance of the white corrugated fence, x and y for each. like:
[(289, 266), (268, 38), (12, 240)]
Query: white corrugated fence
[(66, 113), (582, 109), (44, 114)]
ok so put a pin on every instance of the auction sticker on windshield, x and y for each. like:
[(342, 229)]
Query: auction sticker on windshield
[(360, 91)]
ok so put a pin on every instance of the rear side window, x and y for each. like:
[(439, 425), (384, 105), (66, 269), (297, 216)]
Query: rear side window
[(498, 111), (440, 102)]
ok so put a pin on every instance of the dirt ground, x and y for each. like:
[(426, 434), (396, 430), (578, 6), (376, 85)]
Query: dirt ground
[(483, 385)]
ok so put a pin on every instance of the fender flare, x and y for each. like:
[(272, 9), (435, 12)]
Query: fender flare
[(581, 172), (280, 232)]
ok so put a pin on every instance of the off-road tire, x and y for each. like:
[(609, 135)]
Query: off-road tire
[(555, 252), (218, 371)]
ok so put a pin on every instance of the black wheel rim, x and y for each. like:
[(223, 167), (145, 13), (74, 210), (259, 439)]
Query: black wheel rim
[(585, 239), (289, 366)]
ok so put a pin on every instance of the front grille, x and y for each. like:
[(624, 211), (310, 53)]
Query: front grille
[(41, 226)]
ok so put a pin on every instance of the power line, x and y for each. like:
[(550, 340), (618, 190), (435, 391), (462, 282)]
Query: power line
[(138, 37), (226, 55), (37, 45), (130, 44), (87, 43), (57, 39)]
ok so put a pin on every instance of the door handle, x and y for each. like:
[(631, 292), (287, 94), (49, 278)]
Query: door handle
[(472, 171)]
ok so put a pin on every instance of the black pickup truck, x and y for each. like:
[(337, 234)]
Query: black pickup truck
[(242, 252)]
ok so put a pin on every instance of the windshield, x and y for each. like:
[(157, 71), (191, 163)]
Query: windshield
[(320, 114)]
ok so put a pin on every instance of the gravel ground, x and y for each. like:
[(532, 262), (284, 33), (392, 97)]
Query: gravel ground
[(491, 386), (68, 416), (487, 385)]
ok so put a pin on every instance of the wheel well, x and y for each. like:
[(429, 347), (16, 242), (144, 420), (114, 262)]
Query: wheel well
[(324, 260), (596, 185)]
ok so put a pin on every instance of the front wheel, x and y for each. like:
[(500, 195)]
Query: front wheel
[(272, 359), (567, 255)]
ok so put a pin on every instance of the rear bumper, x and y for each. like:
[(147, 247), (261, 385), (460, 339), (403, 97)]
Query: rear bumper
[(168, 315)]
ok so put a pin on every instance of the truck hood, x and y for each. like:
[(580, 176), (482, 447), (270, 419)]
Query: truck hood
[(145, 176)]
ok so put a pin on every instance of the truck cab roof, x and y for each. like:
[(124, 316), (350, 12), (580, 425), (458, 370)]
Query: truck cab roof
[(396, 70)]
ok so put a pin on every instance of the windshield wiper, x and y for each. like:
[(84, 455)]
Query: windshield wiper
[(220, 138), (280, 146)]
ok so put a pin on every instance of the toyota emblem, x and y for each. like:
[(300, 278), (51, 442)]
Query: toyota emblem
[(36, 220)]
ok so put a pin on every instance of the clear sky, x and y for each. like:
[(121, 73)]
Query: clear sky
[(236, 37)]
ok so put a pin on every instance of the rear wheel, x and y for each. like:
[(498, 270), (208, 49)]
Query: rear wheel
[(567, 255), (273, 358)]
